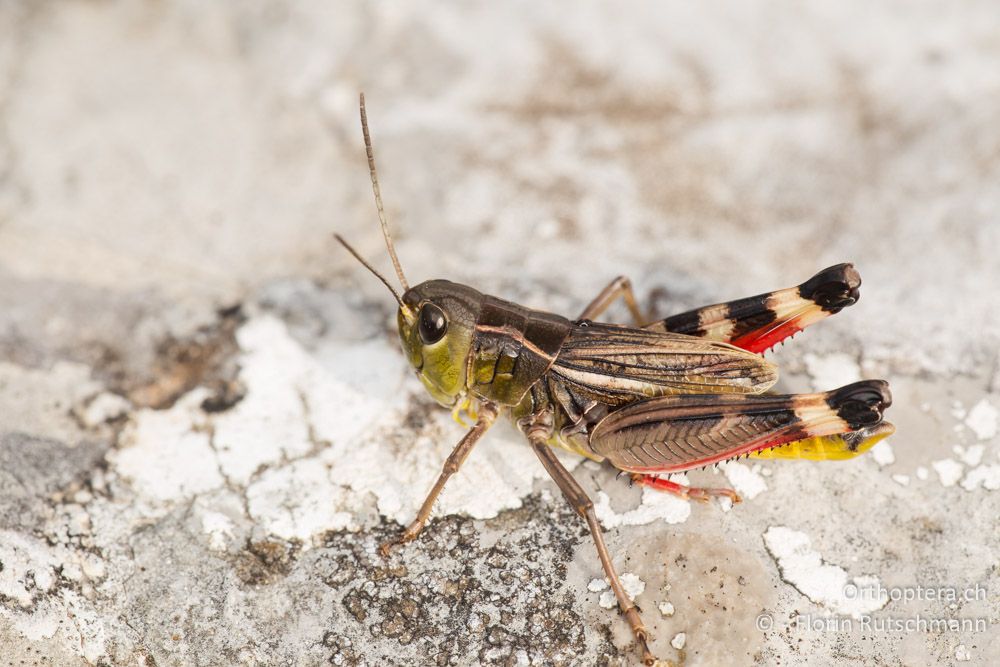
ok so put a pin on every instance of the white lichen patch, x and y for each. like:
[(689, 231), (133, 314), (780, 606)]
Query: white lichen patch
[(823, 583), (29, 568), (633, 586), (948, 470), (219, 528), (300, 500), (679, 640), (882, 453), (655, 506), (86, 623), (986, 476), (666, 609), (832, 371), (983, 420), (971, 455), (746, 481), (167, 454), (29, 577), (270, 423), (101, 408), (223, 519), (68, 617)]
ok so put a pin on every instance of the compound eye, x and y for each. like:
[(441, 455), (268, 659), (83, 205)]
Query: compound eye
[(433, 323)]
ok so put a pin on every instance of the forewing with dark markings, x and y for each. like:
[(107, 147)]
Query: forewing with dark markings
[(676, 433), (615, 365)]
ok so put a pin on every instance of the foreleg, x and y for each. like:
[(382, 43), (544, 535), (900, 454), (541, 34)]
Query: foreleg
[(487, 415)]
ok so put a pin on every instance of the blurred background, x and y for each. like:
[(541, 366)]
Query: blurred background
[(205, 422)]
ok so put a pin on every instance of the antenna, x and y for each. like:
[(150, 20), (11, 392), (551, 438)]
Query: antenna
[(378, 203), (368, 266)]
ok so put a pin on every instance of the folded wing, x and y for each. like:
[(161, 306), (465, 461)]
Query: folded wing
[(614, 365)]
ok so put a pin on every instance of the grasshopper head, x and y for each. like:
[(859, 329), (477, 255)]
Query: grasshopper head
[(437, 321)]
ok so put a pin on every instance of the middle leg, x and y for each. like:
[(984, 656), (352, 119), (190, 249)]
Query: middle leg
[(619, 287), (582, 503)]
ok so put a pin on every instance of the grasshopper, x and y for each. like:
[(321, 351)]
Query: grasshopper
[(662, 396)]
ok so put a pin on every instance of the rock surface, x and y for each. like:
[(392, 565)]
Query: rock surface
[(206, 426)]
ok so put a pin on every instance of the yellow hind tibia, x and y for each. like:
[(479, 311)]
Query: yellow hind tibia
[(830, 447)]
